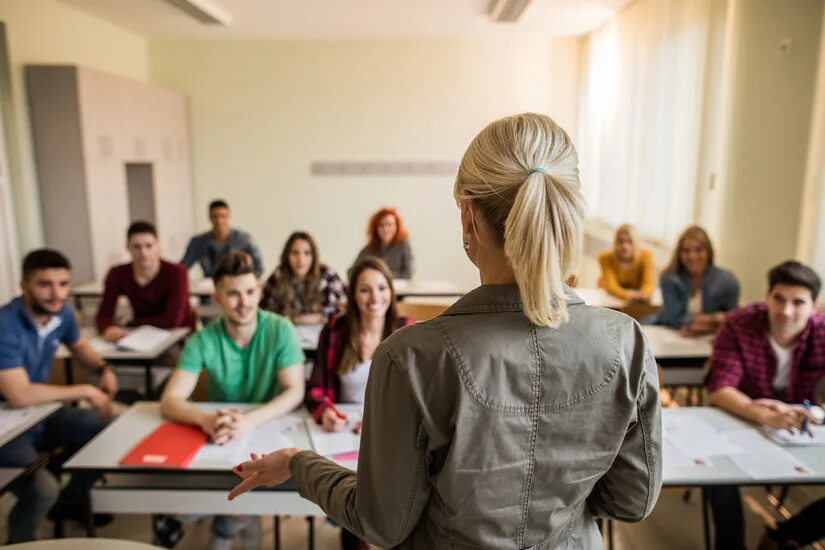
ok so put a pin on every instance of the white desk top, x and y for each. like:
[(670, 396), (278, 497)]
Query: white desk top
[(105, 451), (14, 422), (667, 343), (412, 287), (82, 544), (599, 297), (308, 335), (111, 352), (722, 470)]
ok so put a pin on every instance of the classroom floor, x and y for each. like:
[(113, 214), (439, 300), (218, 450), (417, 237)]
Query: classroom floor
[(674, 524)]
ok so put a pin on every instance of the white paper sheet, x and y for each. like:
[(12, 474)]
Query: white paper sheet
[(774, 464), (12, 418), (144, 339), (335, 443), (797, 439), (675, 459), (696, 439), (308, 335), (267, 438)]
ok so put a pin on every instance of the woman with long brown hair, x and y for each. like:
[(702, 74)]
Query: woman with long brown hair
[(696, 295), (301, 287)]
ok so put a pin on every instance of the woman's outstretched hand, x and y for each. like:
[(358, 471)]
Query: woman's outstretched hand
[(265, 470)]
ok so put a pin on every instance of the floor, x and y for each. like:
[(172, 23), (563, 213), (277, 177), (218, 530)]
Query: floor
[(675, 524)]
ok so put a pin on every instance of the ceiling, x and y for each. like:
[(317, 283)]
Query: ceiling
[(318, 19)]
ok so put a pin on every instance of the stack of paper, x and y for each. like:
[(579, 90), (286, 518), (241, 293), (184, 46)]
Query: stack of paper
[(144, 339), (816, 436)]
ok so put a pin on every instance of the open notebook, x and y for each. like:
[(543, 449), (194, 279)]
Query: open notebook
[(144, 339)]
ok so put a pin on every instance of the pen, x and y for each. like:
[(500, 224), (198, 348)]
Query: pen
[(338, 413), (807, 406)]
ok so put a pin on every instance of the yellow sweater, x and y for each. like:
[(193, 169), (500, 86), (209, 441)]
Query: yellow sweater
[(617, 280)]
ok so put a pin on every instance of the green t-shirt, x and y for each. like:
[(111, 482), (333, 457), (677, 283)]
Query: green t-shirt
[(248, 375)]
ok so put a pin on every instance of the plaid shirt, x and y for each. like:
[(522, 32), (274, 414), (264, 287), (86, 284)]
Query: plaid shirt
[(743, 358), (332, 288), (325, 381)]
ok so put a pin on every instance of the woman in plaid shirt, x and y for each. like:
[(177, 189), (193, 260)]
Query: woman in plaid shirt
[(301, 287)]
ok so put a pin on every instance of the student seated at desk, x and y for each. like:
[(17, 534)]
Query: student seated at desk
[(301, 287), (158, 291), (346, 346), (388, 240), (765, 357), (696, 295), (208, 249), (250, 356), (32, 326), (627, 270)]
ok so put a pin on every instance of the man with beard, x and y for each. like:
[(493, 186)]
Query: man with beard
[(250, 356), (158, 291), (766, 357), (31, 328)]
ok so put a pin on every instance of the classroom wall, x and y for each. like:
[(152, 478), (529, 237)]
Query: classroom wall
[(771, 109), (49, 31), (261, 112)]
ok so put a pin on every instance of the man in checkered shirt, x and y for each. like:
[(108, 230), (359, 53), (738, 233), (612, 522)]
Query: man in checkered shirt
[(765, 357)]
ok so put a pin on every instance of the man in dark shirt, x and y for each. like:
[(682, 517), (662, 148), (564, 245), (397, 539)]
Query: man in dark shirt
[(158, 291), (208, 249)]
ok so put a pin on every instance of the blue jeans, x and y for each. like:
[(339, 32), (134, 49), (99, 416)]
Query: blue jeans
[(70, 427)]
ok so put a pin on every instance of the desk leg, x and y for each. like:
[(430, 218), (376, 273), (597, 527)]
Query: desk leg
[(277, 532), (69, 371), (311, 533), (148, 373), (706, 518), (91, 530)]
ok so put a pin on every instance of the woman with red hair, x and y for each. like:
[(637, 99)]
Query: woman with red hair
[(388, 240)]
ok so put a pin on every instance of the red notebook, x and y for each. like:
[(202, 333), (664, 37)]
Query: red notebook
[(170, 446)]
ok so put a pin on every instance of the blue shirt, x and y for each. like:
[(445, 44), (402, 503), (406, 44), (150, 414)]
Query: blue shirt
[(24, 344), (208, 252)]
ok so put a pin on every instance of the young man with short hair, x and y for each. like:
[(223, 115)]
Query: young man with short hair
[(158, 291), (32, 326), (208, 249), (250, 356), (766, 357)]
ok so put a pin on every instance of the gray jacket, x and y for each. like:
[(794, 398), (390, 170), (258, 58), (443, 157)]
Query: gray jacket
[(482, 430), (206, 251), (398, 258)]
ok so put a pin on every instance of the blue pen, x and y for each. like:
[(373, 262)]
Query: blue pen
[(807, 406)]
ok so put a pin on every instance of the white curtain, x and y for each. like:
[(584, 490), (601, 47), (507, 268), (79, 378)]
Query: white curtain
[(640, 118)]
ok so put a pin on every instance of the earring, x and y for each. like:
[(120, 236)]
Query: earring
[(466, 242)]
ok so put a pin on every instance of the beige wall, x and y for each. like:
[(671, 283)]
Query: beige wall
[(771, 109), (49, 31), (261, 112)]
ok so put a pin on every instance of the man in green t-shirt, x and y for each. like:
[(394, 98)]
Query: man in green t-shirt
[(250, 356)]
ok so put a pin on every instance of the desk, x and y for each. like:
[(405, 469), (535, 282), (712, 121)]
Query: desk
[(82, 544), (411, 287), (598, 297), (14, 422), (120, 357), (682, 358), (200, 489), (722, 470)]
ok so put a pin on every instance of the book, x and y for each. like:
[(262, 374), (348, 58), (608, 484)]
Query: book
[(169, 446)]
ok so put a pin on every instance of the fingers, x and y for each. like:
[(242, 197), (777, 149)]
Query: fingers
[(246, 485)]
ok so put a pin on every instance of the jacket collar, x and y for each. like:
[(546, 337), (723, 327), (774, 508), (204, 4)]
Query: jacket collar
[(498, 298)]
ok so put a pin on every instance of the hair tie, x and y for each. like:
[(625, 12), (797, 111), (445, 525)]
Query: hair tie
[(539, 170)]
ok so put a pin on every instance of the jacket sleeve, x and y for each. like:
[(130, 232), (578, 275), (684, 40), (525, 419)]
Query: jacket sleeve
[(730, 298), (407, 262), (192, 253), (629, 490), (674, 305), (318, 386), (648, 273), (252, 249), (609, 281), (383, 502)]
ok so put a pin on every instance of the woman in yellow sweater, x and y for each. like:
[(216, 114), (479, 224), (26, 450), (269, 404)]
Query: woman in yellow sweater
[(627, 270)]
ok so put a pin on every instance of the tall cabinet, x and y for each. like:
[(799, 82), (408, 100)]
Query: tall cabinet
[(108, 150)]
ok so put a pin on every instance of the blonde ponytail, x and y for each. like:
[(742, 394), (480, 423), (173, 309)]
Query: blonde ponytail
[(522, 174)]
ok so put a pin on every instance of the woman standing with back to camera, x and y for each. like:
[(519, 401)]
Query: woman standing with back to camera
[(518, 415)]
